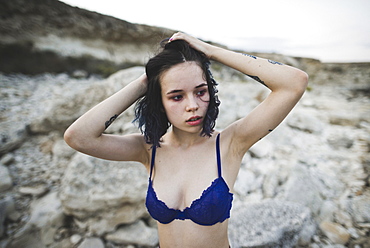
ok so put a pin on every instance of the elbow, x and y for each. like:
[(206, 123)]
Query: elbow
[(301, 82), (71, 138)]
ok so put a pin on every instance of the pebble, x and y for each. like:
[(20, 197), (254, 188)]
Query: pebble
[(7, 159), (36, 190), (335, 232), (75, 239)]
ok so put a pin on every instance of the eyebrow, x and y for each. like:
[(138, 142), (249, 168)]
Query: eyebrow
[(176, 91)]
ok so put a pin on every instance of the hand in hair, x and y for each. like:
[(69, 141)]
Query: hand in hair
[(195, 43)]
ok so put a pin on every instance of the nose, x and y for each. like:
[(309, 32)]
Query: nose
[(192, 105)]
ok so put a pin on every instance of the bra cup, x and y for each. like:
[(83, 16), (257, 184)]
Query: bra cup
[(213, 206), (157, 208)]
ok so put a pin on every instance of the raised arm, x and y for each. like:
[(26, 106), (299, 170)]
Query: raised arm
[(287, 85), (86, 133)]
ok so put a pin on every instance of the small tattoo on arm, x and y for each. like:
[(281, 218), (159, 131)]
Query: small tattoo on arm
[(274, 62), (257, 79), (252, 56), (270, 130), (110, 121)]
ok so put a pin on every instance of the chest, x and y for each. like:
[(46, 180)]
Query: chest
[(180, 178)]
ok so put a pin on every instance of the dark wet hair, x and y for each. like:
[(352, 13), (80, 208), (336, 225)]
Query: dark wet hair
[(149, 110)]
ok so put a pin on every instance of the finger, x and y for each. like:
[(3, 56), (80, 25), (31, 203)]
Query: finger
[(177, 36)]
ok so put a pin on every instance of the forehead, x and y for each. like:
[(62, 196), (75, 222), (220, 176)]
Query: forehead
[(182, 76)]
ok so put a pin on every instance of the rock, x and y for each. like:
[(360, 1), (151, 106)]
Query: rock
[(11, 137), (345, 118), (46, 217), (339, 141), (75, 239), (137, 233), (344, 218), (327, 211), (47, 41), (91, 243), (62, 150), (5, 179), (335, 232), (262, 148), (2, 217), (102, 194), (7, 159), (65, 110), (269, 223), (35, 190), (303, 188), (7, 209), (359, 208), (80, 74), (29, 240), (246, 182), (305, 121), (334, 246)]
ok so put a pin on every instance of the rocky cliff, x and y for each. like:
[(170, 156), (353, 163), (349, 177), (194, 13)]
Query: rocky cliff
[(304, 185), (50, 36)]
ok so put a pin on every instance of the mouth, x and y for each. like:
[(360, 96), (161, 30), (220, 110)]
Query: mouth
[(194, 120)]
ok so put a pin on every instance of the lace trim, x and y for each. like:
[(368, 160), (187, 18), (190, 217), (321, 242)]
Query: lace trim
[(205, 192)]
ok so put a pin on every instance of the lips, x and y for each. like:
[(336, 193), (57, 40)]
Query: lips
[(194, 120)]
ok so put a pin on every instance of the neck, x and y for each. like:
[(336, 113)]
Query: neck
[(178, 138)]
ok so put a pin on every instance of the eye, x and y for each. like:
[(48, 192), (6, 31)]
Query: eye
[(201, 92), (176, 98)]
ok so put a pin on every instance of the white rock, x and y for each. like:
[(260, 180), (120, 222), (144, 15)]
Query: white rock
[(103, 194), (270, 222), (327, 211), (35, 190), (245, 182), (305, 121), (137, 233), (6, 181), (91, 243), (303, 188), (75, 239)]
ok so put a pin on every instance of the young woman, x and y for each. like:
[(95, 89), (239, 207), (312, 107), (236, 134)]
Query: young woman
[(192, 168)]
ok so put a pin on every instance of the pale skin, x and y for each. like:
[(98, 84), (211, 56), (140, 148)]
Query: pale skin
[(186, 161)]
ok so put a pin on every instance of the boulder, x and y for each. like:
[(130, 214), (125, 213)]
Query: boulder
[(91, 242), (62, 111), (304, 120), (137, 233), (46, 218), (102, 194), (303, 188), (270, 223)]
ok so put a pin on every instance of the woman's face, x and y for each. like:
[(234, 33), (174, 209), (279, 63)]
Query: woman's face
[(185, 96)]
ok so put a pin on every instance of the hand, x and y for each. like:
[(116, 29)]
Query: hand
[(194, 43)]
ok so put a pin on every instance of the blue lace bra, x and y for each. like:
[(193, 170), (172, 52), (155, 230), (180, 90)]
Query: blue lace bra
[(213, 206)]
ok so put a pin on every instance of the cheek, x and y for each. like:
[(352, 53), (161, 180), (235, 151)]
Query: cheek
[(172, 109)]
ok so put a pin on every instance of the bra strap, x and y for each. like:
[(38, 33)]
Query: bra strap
[(154, 148), (218, 155)]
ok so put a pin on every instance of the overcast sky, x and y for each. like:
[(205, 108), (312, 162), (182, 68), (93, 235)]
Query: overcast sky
[(329, 30)]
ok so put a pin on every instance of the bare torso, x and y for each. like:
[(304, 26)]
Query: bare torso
[(180, 176)]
